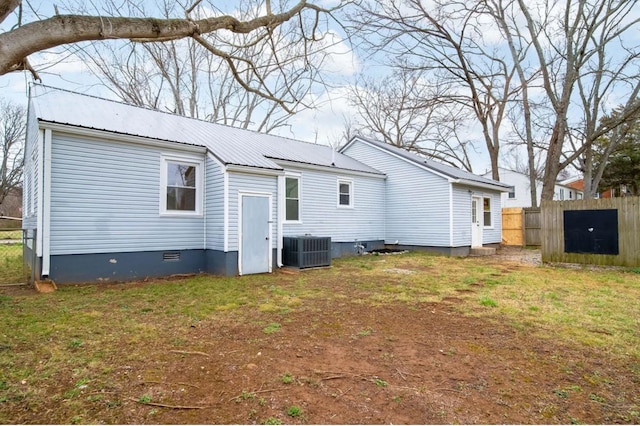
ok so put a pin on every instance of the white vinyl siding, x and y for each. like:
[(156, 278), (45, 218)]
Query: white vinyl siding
[(322, 217), (417, 201), (105, 198), (250, 183), (494, 233), (214, 205), (462, 215), (31, 158)]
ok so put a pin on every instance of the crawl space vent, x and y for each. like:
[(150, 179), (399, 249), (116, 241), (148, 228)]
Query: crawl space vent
[(171, 256)]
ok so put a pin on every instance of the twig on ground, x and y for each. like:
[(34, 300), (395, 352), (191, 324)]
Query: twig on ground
[(332, 377), (190, 353), (343, 393), (175, 407), (170, 384)]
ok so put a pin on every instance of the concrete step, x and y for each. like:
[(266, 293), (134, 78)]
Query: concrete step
[(482, 251)]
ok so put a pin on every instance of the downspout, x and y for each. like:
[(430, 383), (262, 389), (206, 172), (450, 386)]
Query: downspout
[(225, 213), (40, 200), (450, 214), (204, 206), (46, 205), (280, 215)]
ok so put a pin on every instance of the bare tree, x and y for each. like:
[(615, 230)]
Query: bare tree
[(593, 94), (12, 129), (25, 39), (506, 16), (447, 40), (406, 111), (569, 42), (183, 77)]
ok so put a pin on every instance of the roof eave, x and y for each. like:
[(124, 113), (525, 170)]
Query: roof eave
[(290, 163), (484, 185), (117, 136)]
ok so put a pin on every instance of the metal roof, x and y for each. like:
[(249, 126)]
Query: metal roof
[(230, 145), (446, 170)]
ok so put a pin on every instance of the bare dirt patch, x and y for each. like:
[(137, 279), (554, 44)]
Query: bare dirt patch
[(347, 363), (327, 360), (517, 254)]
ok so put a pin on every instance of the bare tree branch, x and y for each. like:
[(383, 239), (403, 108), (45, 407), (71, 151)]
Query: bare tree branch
[(12, 129), (17, 44)]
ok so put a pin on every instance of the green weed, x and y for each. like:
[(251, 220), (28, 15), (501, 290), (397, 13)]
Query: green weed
[(487, 301), (380, 383), (144, 399), (294, 411), (271, 328)]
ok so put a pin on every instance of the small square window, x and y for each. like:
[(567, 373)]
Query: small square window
[(345, 193)]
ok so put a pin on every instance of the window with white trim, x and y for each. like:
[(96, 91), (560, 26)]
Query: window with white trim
[(512, 192), (181, 186), (292, 198), (345, 193), (487, 212)]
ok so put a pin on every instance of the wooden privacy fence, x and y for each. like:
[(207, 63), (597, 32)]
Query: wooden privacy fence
[(513, 226), (521, 227), (600, 232), (532, 227)]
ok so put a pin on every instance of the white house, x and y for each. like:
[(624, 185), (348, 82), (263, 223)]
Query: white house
[(117, 192), (519, 194), (432, 204)]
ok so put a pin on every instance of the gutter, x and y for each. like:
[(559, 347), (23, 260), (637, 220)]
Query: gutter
[(480, 184)]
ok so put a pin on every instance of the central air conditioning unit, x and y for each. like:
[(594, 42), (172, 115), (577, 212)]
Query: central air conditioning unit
[(306, 252)]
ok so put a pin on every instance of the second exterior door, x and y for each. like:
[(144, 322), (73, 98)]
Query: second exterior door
[(255, 238), (477, 222)]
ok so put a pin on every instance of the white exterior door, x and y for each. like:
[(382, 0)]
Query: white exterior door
[(255, 234), (477, 221)]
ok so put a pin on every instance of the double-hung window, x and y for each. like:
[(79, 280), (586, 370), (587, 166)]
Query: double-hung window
[(345, 193), (292, 198), (181, 185), (487, 212)]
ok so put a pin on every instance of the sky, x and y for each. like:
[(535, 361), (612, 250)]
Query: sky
[(323, 124)]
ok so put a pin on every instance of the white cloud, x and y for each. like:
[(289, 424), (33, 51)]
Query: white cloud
[(341, 58), (323, 124)]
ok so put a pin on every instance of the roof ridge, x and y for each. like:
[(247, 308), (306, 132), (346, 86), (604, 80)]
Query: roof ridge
[(173, 114), (436, 166)]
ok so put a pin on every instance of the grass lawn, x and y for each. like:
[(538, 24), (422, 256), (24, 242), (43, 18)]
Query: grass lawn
[(65, 356), (11, 267), (11, 234)]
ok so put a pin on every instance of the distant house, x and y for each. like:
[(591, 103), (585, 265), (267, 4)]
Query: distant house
[(117, 192), (519, 194), (578, 184), (11, 205)]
